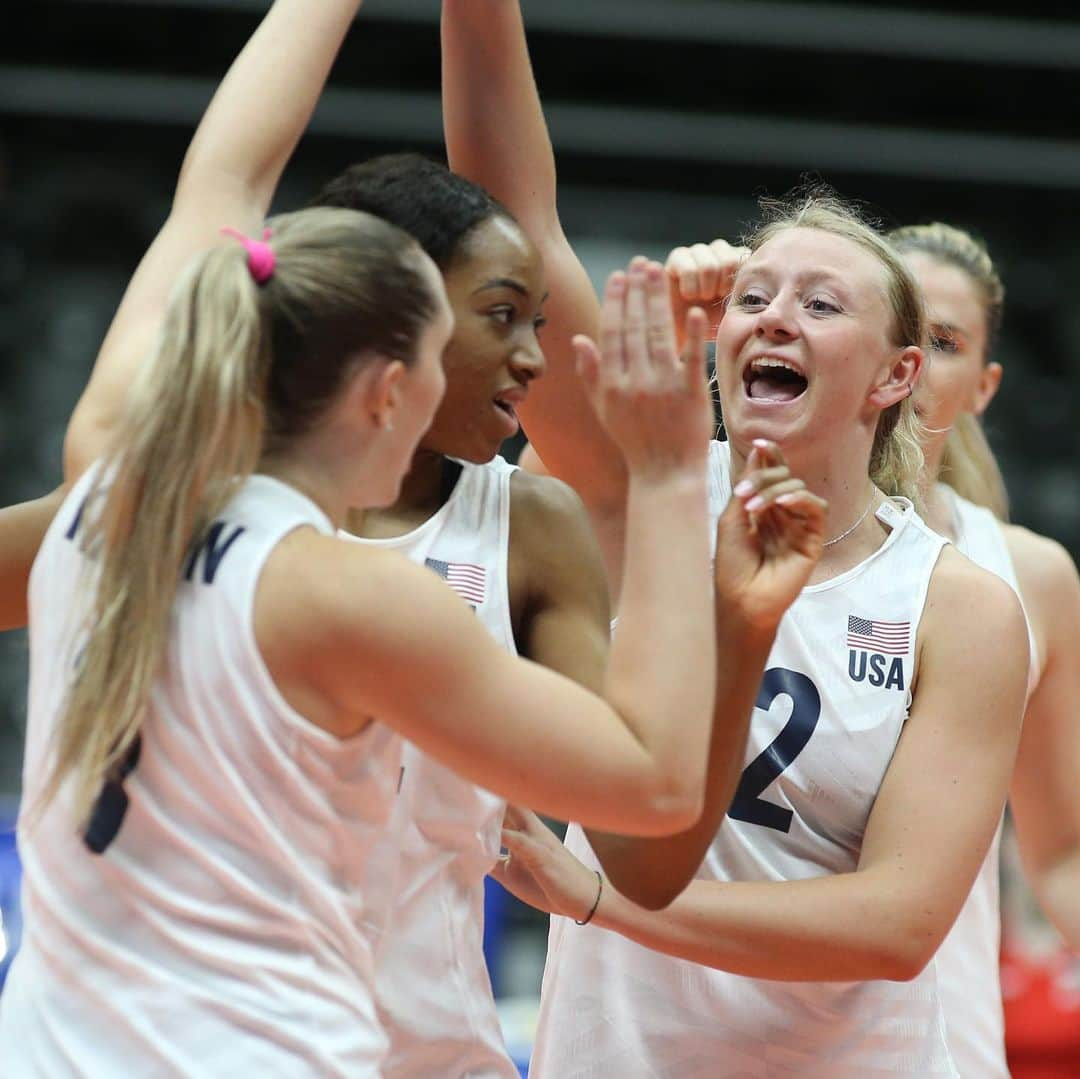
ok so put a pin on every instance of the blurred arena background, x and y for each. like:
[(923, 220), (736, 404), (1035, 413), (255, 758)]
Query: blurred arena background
[(668, 116)]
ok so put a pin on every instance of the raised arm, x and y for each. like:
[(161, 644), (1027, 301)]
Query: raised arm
[(1045, 794), (928, 832), (228, 177), (497, 137)]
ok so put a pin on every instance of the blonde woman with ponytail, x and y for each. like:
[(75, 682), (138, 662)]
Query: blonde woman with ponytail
[(966, 501), (889, 713)]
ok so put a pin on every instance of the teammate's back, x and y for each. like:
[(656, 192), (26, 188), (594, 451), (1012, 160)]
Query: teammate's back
[(233, 890)]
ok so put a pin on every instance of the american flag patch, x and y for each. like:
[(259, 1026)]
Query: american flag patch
[(466, 580), (889, 638)]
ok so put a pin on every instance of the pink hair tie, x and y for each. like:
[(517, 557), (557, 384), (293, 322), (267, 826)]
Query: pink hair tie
[(261, 258)]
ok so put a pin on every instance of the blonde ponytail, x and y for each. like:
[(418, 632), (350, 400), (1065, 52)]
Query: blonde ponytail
[(238, 365), (896, 460), (969, 467), (192, 431)]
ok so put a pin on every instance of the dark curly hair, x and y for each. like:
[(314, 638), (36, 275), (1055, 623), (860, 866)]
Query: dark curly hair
[(423, 197)]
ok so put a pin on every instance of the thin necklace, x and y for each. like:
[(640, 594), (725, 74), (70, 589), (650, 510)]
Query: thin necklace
[(847, 531)]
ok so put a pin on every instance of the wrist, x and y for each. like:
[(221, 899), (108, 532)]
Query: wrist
[(594, 906), (745, 622), (688, 479)]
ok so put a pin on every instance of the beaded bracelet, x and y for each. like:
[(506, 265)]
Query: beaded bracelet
[(596, 902)]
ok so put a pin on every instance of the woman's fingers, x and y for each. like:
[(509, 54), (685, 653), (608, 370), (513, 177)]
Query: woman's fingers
[(696, 336), (682, 271), (611, 322), (703, 271), (766, 452), (588, 361), (708, 270), (651, 400), (516, 817), (754, 482), (635, 321), (770, 492), (801, 514), (663, 352), (694, 272), (809, 503)]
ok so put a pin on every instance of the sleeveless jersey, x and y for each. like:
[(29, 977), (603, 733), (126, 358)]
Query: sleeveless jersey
[(968, 960), (224, 929), (432, 986), (832, 705)]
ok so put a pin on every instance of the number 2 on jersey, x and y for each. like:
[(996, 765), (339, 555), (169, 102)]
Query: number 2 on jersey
[(748, 805)]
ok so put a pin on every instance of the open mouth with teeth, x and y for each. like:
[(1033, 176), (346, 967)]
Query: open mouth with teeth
[(771, 379)]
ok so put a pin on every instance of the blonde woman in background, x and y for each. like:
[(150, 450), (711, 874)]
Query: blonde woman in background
[(966, 501)]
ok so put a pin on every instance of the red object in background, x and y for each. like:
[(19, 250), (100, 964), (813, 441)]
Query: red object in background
[(1042, 1014)]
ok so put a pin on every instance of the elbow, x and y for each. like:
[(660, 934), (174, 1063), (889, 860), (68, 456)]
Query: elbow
[(905, 968), (675, 808), (641, 875), (908, 955), (890, 949), (890, 962), (674, 795), (646, 816)]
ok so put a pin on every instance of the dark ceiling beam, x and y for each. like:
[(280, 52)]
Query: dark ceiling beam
[(588, 130), (764, 24)]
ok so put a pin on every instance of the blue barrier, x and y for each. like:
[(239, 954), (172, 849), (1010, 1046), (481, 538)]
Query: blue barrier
[(10, 879), (496, 901)]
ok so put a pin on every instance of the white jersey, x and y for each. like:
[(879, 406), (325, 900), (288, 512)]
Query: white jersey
[(832, 705), (432, 986), (224, 929), (969, 958)]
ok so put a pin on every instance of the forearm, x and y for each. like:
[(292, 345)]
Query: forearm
[(497, 137), (1044, 796), (835, 928), (494, 123), (663, 693), (655, 872), (265, 102), (1057, 887), (228, 178)]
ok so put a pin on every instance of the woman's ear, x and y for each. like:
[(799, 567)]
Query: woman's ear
[(986, 391), (900, 378), (376, 391)]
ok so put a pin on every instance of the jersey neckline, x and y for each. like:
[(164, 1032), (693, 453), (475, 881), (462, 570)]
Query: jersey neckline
[(896, 513)]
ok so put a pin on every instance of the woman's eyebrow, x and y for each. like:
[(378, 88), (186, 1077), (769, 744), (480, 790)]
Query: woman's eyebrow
[(503, 282)]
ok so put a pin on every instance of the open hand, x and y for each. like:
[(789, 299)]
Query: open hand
[(652, 400), (540, 871)]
